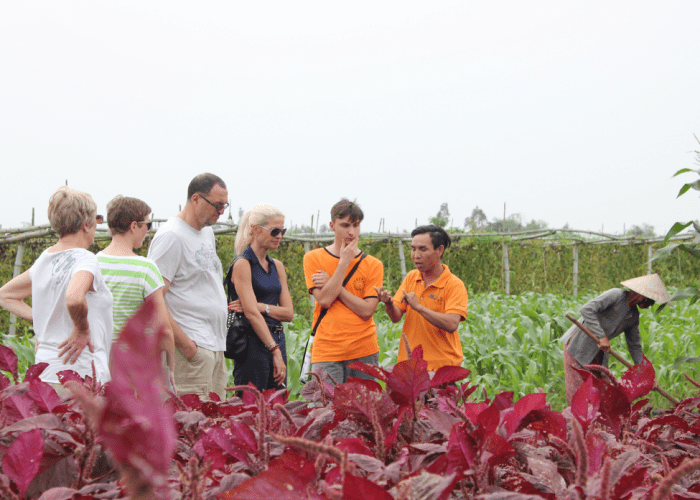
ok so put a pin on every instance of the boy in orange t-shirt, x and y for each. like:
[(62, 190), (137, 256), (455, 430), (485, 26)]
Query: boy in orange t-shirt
[(344, 328), (434, 300)]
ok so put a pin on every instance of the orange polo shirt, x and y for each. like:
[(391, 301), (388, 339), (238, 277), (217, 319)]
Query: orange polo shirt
[(446, 295), (342, 334)]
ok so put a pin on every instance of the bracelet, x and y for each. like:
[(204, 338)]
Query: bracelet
[(274, 348)]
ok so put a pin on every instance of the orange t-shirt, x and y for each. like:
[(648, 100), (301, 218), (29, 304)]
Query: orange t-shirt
[(446, 295), (342, 334)]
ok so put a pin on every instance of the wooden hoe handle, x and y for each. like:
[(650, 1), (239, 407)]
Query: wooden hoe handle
[(618, 357)]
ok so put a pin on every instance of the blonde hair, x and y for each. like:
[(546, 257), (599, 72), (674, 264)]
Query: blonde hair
[(259, 215), (69, 210)]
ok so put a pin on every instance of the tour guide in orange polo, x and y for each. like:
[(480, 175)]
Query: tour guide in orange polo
[(434, 300)]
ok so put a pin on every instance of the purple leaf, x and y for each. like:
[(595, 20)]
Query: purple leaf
[(243, 436), (585, 403), (449, 375), (43, 395), (409, 379), (638, 381), (472, 411), (504, 400), (69, 375), (8, 361), (354, 445), (548, 421), (358, 400), (22, 460), (496, 450), (488, 421), (629, 482), (4, 382), (222, 439), (34, 371), (462, 451), (596, 448)]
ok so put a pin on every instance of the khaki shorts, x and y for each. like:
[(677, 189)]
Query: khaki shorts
[(204, 373)]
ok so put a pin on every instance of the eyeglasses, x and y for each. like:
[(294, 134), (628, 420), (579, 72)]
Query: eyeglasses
[(147, 222), (218, 207), (276, 231)]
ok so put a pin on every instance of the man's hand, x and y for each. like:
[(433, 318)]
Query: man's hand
[(74, 345), (190, 351), (604, 344), (383, 295), (411, 299), (320, 278), (349, 251)]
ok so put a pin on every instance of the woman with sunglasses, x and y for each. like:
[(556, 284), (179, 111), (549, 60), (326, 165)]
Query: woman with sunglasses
[(71, 305), (130, 277), (259, 292), (607, 316)]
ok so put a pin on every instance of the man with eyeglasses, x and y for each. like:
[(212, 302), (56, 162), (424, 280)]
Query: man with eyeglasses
[(184, 249)]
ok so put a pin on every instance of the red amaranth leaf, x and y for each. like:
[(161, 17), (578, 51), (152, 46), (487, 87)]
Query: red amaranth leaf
[(638, 381), (8, 361), (472, 411), (629, 482), (34, 371), (548, 421), (448, 375), (354, 445), (596, 449), (359, 488), (243, 436), (18, 407), (462, 450), (488, 421), (193, 401), (289, 477), (503, 400), (376, 371), (496, 450), (22, 460), (614, 408), (43, 395), (358, 400), (69, 375), (4, 382), (522, 408), (222, 439), (409, 380), (585, 403)]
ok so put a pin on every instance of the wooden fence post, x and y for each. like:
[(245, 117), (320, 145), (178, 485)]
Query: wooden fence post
[(402, 259), (649, 252), (506, 268), (575, 269), (311, 297), (16, 272)]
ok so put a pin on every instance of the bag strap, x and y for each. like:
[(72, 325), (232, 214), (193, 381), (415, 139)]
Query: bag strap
[(323, 312), (228, 282)]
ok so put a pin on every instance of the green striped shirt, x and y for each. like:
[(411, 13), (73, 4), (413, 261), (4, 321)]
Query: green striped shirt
[(130, 279)]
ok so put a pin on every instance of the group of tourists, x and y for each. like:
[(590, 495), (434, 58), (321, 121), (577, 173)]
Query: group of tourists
[(81, 301)]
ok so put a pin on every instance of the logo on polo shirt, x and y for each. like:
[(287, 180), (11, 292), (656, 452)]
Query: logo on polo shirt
[(359, 284)]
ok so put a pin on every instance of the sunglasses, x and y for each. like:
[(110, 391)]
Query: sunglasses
[(218, 207), (276, 231), (147, 222)]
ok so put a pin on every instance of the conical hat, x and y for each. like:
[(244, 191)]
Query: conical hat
[(650, 286)]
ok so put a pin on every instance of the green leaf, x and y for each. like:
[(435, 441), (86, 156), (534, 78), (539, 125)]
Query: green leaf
[(675, 229)]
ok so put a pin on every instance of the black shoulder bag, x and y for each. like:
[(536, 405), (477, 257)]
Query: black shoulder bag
[(238, 326)]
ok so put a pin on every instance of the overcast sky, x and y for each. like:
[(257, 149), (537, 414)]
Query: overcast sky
[(569, 112)]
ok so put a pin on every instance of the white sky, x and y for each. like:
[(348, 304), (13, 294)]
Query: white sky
[(570, 112)]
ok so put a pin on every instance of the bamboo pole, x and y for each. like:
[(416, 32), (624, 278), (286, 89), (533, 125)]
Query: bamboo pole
[(402, 259), (618, 357), (16, 272), (575, 271), (506, 268)]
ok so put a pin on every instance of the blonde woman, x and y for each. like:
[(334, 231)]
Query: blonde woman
[(259, 291), (72, 306)]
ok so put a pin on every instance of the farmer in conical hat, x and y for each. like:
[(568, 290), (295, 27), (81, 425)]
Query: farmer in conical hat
[(607, 316)]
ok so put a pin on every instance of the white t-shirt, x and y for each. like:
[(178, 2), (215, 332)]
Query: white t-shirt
[(187, 259), (50, 276), (130, 279)]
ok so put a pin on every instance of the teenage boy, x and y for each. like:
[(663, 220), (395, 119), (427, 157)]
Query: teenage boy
[(343, 325), (434, 300)]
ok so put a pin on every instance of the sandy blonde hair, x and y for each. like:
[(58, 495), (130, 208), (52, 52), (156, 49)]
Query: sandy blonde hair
[(69, 210), (259, 215)]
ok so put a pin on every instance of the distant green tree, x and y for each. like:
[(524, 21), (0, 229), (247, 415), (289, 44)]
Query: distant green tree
[(442, 217), (477, 221), (643, 231)]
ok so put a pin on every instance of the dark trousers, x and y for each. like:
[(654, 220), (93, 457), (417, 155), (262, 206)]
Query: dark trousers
[(256, 364)]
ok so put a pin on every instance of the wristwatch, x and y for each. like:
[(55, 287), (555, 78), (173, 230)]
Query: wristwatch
[(267, 309)]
